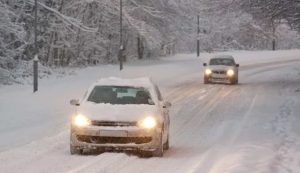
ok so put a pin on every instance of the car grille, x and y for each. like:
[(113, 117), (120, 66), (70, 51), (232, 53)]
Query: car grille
[(219, 71), (113, 140), (114, 123)]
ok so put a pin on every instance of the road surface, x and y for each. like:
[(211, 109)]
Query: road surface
[(215, 128)]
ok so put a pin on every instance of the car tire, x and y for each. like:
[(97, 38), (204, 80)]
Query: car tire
[(232, 81), (145, 154), (205, 79), (167, 144), (159, 152), (74, 150)]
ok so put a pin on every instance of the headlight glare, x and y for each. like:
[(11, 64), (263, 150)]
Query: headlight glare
[(81, 121), (148, 123), (230, 72), (208, 71)]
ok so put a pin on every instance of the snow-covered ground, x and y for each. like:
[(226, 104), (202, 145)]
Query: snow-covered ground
[(251, 127)]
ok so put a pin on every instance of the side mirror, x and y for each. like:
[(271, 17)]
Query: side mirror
[(151, 102), (204, 64), (237, 65), (167, 104), (75, 102)]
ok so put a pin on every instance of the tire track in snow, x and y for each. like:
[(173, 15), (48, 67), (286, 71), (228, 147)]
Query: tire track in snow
[(289, 141), (101, 164), (202, 110), (53, 151), (243, 122), (198, 115), (206, 165)]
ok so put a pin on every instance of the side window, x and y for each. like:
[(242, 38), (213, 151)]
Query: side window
[(158, 94)]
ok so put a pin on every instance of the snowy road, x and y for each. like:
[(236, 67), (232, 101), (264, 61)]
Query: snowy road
[(250, 127)]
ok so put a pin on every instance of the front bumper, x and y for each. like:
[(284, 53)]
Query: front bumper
[(120, 138), (220, 78)]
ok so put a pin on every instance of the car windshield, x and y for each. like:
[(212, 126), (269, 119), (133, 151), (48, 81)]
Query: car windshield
[(120, 95), (222, 61)]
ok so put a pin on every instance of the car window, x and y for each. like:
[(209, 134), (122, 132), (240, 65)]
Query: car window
[(120, 95), (222, 61)]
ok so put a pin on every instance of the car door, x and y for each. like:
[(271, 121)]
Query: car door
[(165, 112), (236, 68)]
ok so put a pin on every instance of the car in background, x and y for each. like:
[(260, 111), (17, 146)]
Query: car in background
[(221, 69), (121, 114)]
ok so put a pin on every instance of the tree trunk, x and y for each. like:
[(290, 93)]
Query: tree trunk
[(273, 44), (49, 58), (62, 51), (274, 35), (140, 48), (55, 50)]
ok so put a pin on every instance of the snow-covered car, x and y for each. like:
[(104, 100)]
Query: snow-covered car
[(221, 69), (121, 114)]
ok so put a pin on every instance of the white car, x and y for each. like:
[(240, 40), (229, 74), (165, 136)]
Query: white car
[(121, 114), (221, 69)]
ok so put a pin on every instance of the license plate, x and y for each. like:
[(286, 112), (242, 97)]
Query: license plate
[(219, 79), (220, 76), (113, 133)]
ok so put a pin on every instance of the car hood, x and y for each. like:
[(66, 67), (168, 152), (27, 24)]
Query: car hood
[(108, 112), (220, 67)]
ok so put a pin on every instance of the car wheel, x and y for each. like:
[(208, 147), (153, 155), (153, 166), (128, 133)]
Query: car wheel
[(232, 81), (205, 79), (166, 144), (145, 154), (159, 152), (75, 150)]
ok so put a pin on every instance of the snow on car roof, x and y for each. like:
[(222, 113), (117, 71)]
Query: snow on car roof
[(222, 56), (135, 82)]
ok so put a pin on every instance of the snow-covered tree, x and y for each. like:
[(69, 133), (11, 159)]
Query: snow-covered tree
[(12, 35), (86, 32)]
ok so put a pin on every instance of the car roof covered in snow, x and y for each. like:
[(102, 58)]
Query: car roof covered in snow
[(145, 82), (222, 57)]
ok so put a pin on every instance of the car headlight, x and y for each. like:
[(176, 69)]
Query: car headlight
[(148, 123), (230, 72), (81, 121), (208, 71)]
